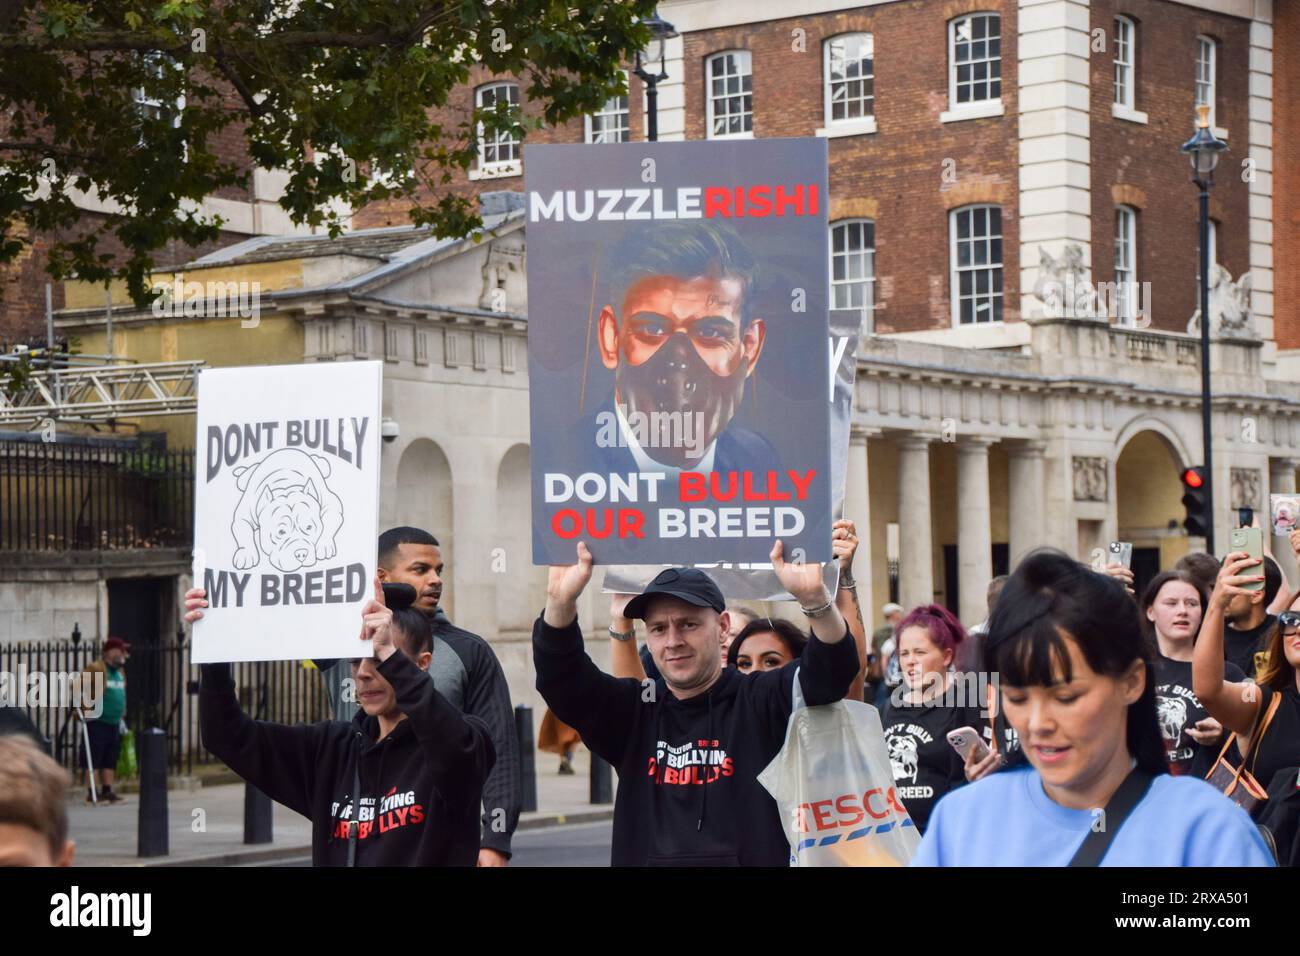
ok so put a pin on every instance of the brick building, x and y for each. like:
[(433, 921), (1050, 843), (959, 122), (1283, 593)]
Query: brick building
[(975, 147)]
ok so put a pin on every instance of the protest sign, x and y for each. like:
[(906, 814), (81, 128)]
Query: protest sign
[(757, 581), (286, 509), (677, 351)]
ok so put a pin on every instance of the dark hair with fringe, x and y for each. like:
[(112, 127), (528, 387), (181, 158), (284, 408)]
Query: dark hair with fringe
[(788, 634), (1153, 591), (1051, 598)]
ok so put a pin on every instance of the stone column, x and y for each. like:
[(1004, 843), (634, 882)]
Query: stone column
[(1281, 481), (857, 508), (1026, 491), (916, 560), (974, 534)]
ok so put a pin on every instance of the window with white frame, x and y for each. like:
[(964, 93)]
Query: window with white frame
[(730, 99), (849, 77), (612, 123), (1206, 55), (1125, 264), (498, 150), (853, 265), (975, 237), (147, 105), (1125, 49), (974, 59)]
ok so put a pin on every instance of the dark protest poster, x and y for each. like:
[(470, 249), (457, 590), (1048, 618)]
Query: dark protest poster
[(677, 302), (286, 509), (756, 581)]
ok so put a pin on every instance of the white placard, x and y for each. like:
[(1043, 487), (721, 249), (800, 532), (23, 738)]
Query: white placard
[(286, 509)]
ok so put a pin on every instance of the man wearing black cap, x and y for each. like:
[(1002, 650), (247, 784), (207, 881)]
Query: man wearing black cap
[(689, 747)]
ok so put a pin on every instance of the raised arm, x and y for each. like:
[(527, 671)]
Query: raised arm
[(844, 545), (1233, 705), (599, 707), (277, 759), (830, 661), (624, 661)]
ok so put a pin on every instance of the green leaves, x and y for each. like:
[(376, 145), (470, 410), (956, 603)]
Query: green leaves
[(334, 92)]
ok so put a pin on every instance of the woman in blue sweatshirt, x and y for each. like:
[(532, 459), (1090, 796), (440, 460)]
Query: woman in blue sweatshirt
[(1076, 683)]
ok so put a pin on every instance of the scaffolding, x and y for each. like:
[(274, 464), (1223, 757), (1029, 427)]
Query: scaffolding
[(85, 394)]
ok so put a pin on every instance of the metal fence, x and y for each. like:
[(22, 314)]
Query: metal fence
[(162, 688), (58, 497)]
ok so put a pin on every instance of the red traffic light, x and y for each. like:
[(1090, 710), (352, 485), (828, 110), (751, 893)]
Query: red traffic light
[(1192, 478)]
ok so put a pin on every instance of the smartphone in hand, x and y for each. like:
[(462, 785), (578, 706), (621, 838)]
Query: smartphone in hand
[(1250, 540), (965, 739), (1121, 552)]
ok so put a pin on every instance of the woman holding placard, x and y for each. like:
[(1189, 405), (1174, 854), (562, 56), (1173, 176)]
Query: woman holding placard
[(398, 786)]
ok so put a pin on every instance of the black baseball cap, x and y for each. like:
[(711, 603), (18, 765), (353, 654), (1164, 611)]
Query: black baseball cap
[(685, 584)]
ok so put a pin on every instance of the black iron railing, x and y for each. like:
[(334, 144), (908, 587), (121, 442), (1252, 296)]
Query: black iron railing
[(161, 691), (61, 497)]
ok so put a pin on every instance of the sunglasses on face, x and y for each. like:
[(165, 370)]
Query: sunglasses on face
[(1290, 621)]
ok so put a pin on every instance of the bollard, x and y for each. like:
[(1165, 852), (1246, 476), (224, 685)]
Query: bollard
[(602, 782), (151, 753), (257, 815), (527, 758)]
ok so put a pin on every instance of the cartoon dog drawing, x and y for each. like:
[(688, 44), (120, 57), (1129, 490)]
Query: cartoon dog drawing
[(287, 513), (902, 757), (1172, 714)]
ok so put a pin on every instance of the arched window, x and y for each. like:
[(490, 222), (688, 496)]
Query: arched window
[(498, 150)]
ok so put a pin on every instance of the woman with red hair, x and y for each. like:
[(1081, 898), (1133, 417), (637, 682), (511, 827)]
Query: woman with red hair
[(925, 707)]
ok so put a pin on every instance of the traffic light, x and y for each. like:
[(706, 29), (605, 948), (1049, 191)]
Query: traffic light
[(1197, 519)]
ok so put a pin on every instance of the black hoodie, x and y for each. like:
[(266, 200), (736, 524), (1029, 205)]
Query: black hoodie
[(688, 790), (420, 786)]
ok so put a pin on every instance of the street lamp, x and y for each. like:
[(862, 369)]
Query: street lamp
[(661, 31), (1203, 150)]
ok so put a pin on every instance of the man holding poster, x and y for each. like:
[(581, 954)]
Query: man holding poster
[(689, 747), (677, 337)]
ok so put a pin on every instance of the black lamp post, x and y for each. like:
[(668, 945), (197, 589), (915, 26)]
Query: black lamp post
[(661, 31), (1203, 150)]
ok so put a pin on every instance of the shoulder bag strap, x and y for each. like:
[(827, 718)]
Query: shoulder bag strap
[(1118, 808), (1257, 738)]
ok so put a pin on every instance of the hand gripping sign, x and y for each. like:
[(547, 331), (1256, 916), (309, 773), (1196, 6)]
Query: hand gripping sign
[(286, 507), (677, 335)]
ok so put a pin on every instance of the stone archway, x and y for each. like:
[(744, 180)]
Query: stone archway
[(520, 586), (424, 499), (1148, 501)]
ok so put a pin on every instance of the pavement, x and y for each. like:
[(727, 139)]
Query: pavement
[(206, 823)]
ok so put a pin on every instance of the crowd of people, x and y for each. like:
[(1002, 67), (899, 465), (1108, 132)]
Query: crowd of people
[(1172, 716)]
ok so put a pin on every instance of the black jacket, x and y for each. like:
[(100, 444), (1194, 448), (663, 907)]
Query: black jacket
[(688, 790), (420, 786)]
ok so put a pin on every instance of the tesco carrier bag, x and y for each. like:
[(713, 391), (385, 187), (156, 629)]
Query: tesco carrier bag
[(835, 789)]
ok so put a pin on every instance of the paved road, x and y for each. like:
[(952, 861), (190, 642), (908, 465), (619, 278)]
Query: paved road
[(582, 844)]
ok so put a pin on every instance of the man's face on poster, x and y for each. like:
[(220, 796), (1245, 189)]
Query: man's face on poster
[(681, 346)]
